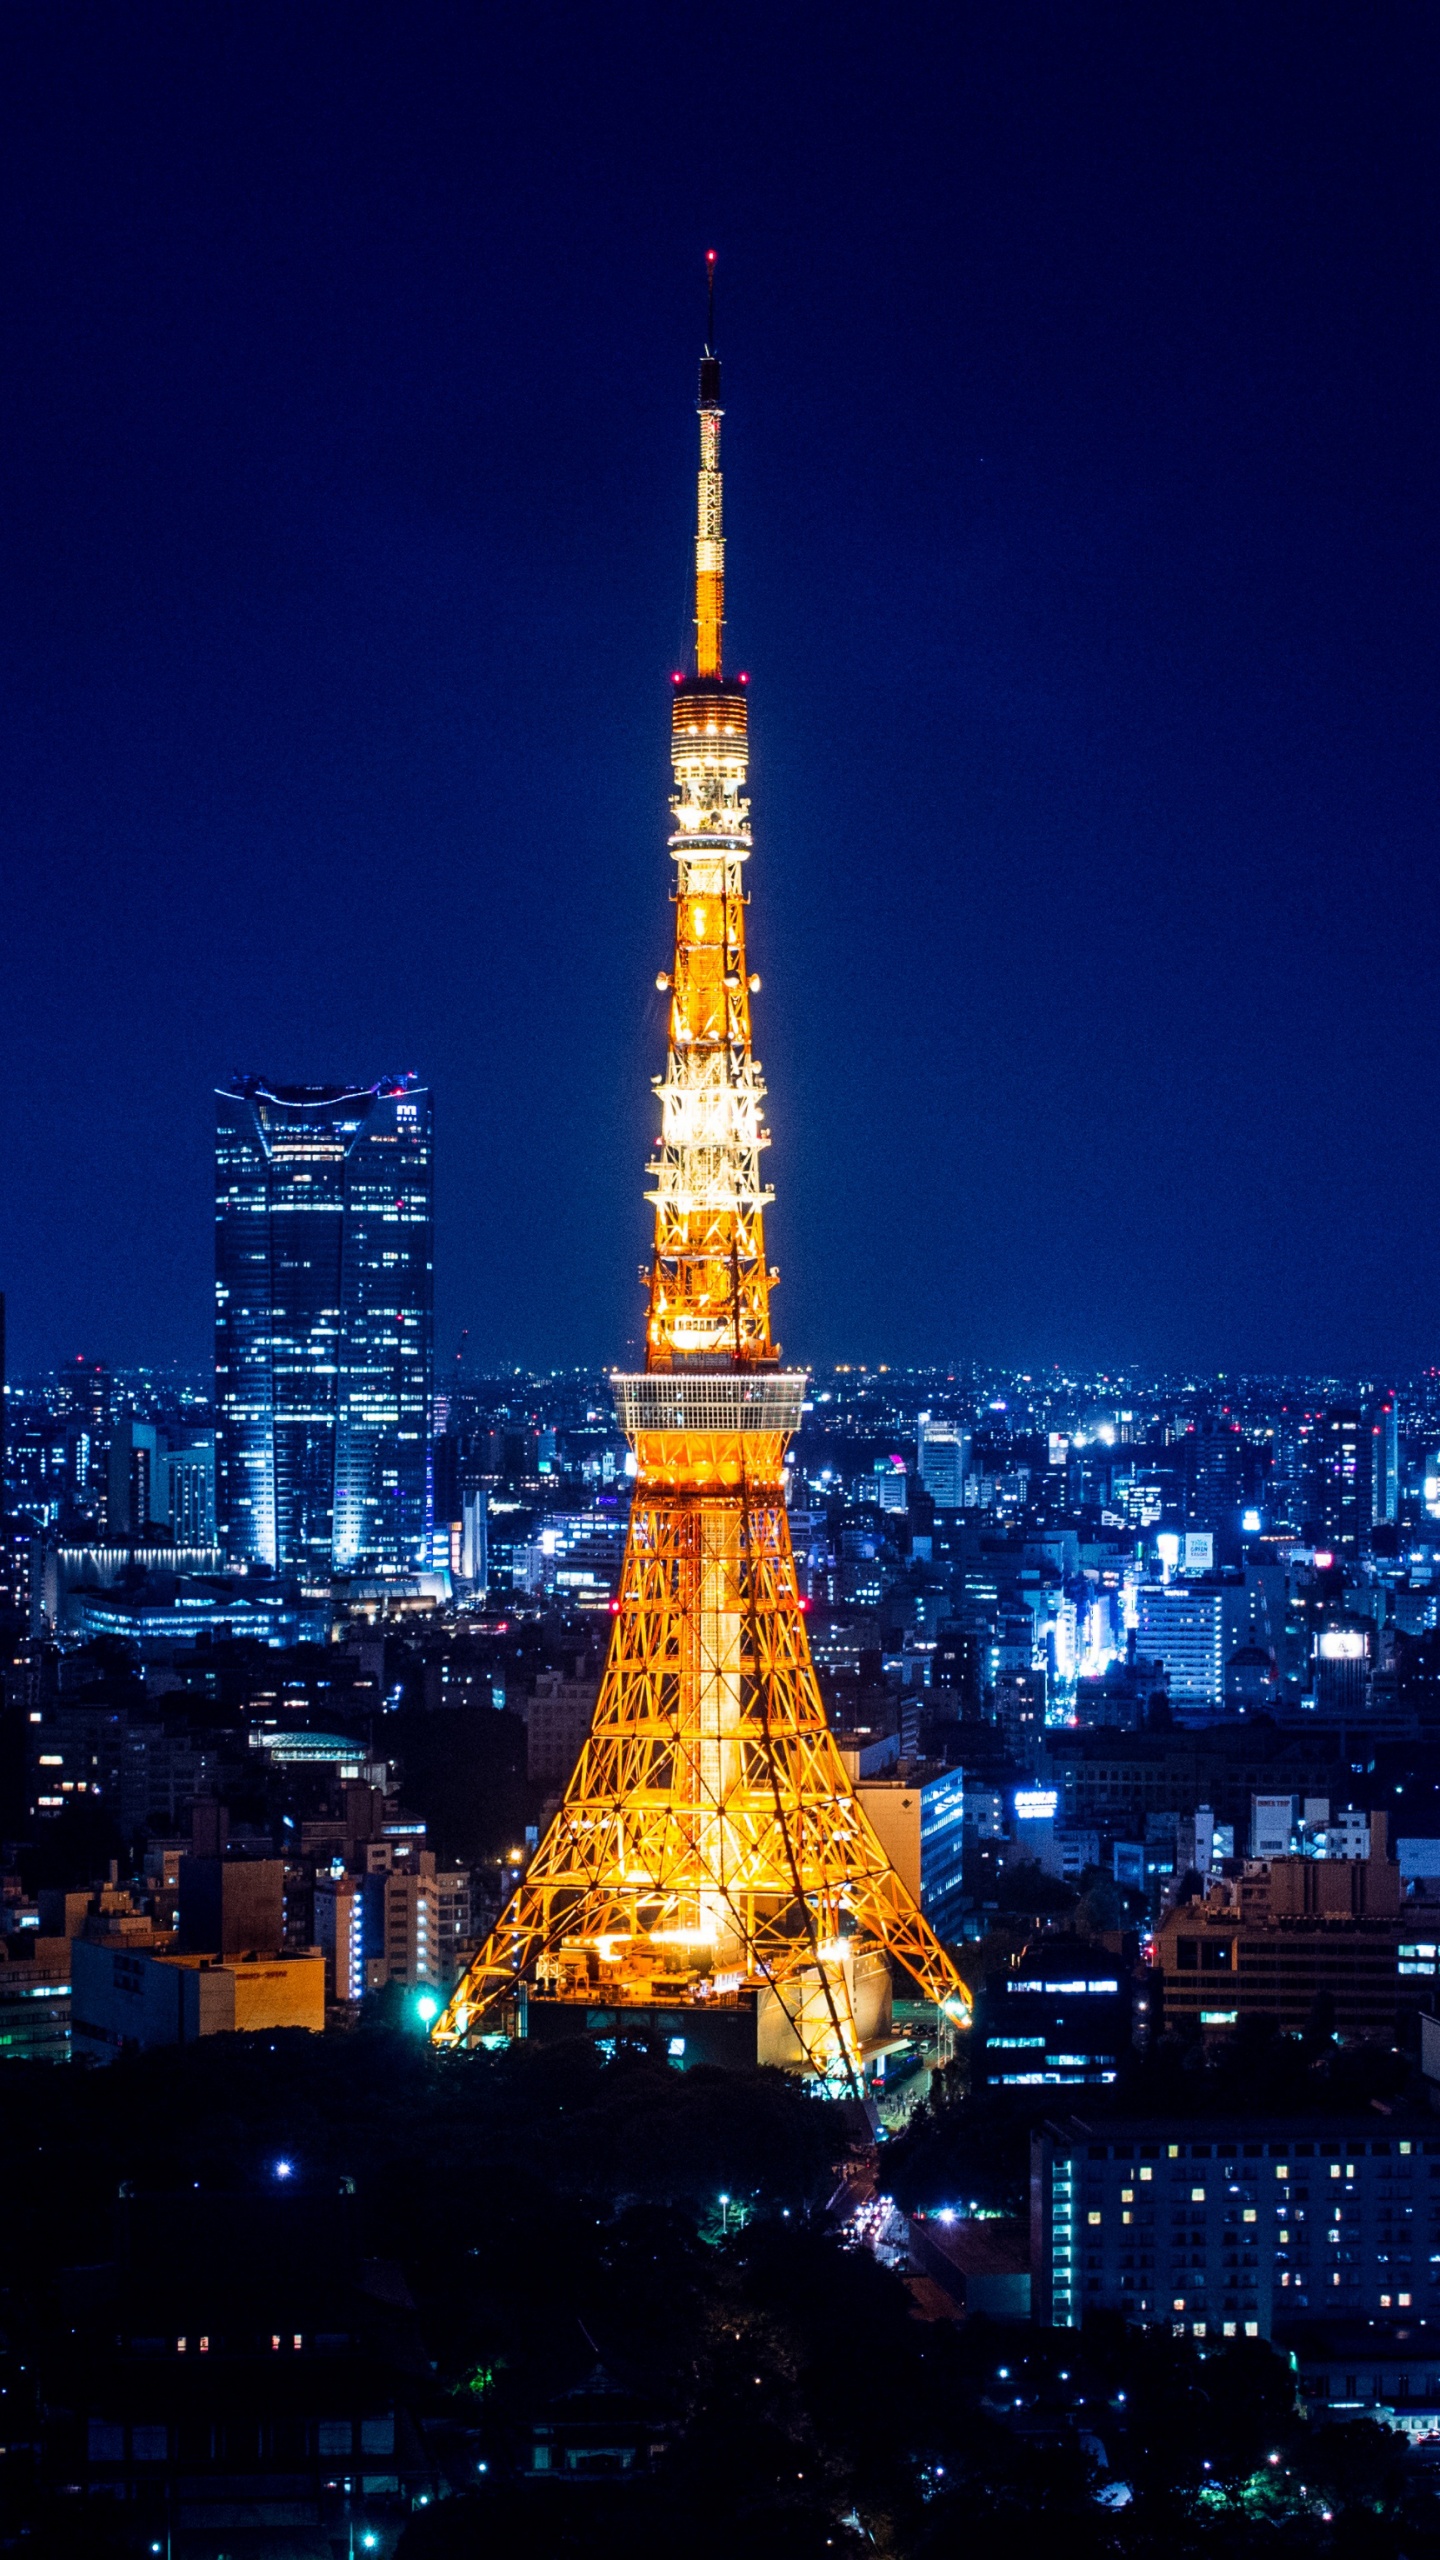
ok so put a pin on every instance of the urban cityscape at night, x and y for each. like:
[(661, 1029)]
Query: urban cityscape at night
[(617, 1932)]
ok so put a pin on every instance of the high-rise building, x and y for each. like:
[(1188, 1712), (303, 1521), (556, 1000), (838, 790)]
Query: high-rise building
[(920, 1824), (87, 1385), (1215, 1474), (159, 1484), (1342, 1513), (402, 1924), (943, 1453), (710, 1872), (340, 1933), (324, 1325), (1382, 1421), (190, 1490), (1183, 1626)]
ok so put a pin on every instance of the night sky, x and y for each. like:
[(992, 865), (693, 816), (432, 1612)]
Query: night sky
[(1081, 451)]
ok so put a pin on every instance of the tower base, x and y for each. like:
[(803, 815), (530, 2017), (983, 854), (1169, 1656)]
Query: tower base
[(750, 2031), (723, 2037)]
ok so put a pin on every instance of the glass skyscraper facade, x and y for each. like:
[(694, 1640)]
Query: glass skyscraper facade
[(324, 1325)]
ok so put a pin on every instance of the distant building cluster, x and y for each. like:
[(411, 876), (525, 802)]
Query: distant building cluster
[(1138, 1682)]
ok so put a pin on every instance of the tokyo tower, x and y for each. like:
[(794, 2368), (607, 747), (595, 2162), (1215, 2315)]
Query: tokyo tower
[(711, 1874)]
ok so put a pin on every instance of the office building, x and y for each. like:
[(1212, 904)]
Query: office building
[(454, 1922), (557, 1719), (1215, 1477), (35, 1998), (1020, 1695), (1341, 1668), (87, 1391), (402, 1926), (1343, 1514), (324, 1332), (921, 1828), (943, 1455), (340, 1935), (1382, 1422), (129, 1996), (231, 1906), (1182, 1627), (1222, 2229), (474, 1544), (160, 1481), (1060, 2015), (1275, 1942), (224, 1972)]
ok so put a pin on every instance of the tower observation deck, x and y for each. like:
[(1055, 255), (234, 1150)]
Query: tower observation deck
[(711, 1873)]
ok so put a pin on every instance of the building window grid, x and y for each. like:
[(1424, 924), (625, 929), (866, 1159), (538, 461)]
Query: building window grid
[(1216, 2213)]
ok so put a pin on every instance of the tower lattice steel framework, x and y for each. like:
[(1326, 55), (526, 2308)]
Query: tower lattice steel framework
[(711, 1852)]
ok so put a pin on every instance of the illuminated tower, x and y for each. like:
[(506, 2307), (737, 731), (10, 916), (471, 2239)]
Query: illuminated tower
[(711, 1873)]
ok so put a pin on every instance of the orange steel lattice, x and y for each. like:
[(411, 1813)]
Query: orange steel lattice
[(711, 1852)]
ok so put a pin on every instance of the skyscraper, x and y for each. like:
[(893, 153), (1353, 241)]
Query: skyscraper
[(1383, 1423), (1342, 1480), (943, 1452), (324, 1324)]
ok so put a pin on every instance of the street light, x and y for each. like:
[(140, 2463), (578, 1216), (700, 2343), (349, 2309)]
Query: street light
[(724, 2216)]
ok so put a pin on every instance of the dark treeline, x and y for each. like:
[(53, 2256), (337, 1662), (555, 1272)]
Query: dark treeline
[(553, 2211)]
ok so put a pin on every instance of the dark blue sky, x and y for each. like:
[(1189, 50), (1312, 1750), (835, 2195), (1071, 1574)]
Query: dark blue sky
[(1081, 465)]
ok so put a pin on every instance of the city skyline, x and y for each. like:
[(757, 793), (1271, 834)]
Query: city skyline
[(494, 1732), (1085, 529)]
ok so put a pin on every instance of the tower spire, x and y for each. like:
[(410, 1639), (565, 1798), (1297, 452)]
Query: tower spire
[(711, 1873), (709, 1280), (709, 523)]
